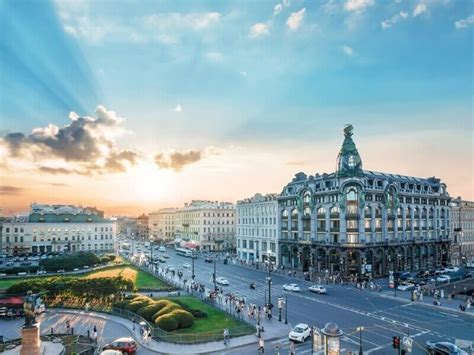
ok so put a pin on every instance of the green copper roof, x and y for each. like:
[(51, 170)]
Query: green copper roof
[(349, 162), (65, 218)]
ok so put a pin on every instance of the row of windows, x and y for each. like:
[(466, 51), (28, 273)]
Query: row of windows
[(255, 232), (21, 229), (257, 220), (250, 211), (254, 245), (35, 238)]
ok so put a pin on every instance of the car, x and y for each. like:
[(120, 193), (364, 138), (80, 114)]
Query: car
[(76, 269), (443, 348), (111, 352), (40, 272), (209, 260), (162, 249), (186, 265), (452, 269), (317, 289), (22, 273), (443, 278), (61, 271), (126, 345), (300, 332), (406, 286), (222, 281), (166, 256), (291, 287), (170, 268), (85, 267), (161, 260)]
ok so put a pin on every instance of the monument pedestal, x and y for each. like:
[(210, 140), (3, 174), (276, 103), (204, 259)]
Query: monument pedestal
[(30, 340)]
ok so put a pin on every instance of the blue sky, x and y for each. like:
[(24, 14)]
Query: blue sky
[(262, 75)]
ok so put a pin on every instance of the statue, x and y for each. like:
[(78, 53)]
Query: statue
[(29, 308)]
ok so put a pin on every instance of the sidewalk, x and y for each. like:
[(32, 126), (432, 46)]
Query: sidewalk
[(273, 330)]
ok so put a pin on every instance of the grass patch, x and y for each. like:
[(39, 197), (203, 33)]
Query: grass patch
[(141, 279), (215, 322)]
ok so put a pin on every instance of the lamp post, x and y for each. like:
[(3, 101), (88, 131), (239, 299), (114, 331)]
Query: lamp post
[(214, 274), (269, 278), (286, 309), (360, 329), (192, 262)]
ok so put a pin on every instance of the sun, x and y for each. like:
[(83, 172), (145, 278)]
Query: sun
[(149, 184)]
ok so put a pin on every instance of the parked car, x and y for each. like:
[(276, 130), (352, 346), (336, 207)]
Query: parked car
[(126, 345), (317, 289), (222, 281), (443, 348), (443, 278), (406, 286), (300, 332), (291, 287)]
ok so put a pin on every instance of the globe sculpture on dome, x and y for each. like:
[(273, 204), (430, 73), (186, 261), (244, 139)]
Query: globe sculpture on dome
[(349, 163)]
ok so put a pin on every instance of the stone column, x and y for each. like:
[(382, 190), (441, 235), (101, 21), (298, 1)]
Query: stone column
[(412, 226), (300, 225), (404, 222), (314, 225)]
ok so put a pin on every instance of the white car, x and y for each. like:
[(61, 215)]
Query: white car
[(291, 287), (300, 333), (162, 249), (186, 265), (443, 278), (317, 289), (406, 287), (452, 269), (222, 281)]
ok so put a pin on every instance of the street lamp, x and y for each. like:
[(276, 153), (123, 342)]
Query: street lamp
[(360, 329), (214, 274), (269, 278), (192, 262)]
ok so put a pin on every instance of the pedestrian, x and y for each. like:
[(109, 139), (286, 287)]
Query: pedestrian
[(134, 322), (277, 349), (94, 333), (261, 345), (68, 326), (292, 350)]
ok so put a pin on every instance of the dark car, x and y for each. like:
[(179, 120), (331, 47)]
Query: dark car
[(422, 273), (209, 260), (125, 345), (443, 348)]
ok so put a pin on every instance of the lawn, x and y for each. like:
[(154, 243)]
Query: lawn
[(141, 279), (212, 326)]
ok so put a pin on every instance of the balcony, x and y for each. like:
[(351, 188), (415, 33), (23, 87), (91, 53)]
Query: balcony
[(335, 229), (334, 215), (352, 215), (353, 230)]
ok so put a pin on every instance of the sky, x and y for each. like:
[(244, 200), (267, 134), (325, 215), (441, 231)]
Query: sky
[(134, 106)]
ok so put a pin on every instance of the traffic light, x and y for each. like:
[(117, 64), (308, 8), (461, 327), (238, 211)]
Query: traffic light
[(396, 342)]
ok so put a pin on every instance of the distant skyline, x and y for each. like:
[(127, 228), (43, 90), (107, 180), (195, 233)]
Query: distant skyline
[(131, 107)]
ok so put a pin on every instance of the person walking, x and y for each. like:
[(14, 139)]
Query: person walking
[(261, 345), (292, 350), (94, 333), (68, 326)]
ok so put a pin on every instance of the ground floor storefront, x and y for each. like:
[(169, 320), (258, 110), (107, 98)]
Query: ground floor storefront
[(376, 261)]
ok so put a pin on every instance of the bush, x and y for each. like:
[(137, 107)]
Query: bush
[(198, 313), (167, 322), (16, 269), (69, 262), (168, 309), (136, 304), (184, 318), (151, 309)]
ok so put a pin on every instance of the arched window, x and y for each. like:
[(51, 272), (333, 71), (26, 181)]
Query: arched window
[(351, 195), (306, 197), (307, 212), (294, 213), (284, 213), (321, 211), (352, 201), (334, 210)]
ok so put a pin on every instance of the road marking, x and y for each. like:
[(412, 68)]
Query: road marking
[(450, 315)]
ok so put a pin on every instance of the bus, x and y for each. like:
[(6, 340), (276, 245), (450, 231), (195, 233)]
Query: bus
[(184, 252)]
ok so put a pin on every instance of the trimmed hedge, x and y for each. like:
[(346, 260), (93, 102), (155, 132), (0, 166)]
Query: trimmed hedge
[(149, 311), (184, 318), (138, 303), (168, 309), (167, 322), (195, 312)]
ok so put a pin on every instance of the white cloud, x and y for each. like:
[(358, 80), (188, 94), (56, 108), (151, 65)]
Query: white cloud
[(295, 19), (286, 3), (196, 21), (277, 9), (358, 5), (214, 56), (419, 9), (178, 109), (394, 19), (468, 21), (259, 30), (329, 7), (347, 50)]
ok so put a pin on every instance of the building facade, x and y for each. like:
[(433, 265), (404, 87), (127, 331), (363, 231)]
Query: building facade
[(462, 223), (355, 221), (209, 225), (257, 228), (58, 228), (143, 228), (126, 227), (162, 224)]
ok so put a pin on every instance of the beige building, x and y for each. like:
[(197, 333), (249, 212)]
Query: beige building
[(161, 224), (58, 228), (143, 229), (462, 224)]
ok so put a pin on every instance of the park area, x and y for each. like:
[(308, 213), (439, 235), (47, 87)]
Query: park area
[(141, 279)]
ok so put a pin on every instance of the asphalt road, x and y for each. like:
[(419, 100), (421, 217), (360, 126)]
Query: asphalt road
[(348, 307)]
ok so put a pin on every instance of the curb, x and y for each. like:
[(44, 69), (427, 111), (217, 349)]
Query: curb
[(102, 316), (465, 313)]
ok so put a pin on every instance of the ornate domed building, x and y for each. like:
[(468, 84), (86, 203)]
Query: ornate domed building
[(355, 221)]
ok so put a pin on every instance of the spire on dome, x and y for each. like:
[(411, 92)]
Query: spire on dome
[(349, 162)]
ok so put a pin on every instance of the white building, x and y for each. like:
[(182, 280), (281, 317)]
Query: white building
[(162, 224), (210, 225), (58, 228), (462, 224), (258, 228)]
